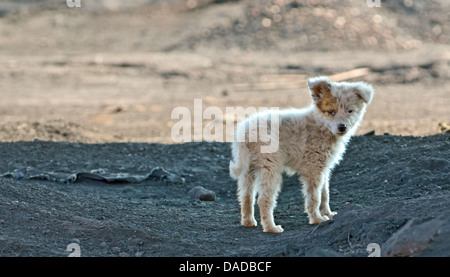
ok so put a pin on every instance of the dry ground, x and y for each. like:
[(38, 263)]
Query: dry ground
[(103, 80), (114, 73)]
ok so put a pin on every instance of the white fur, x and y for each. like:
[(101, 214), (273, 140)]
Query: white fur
[(310, 143)]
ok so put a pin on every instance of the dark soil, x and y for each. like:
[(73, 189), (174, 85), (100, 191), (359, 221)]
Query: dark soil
[(92, 89), (384, 183)]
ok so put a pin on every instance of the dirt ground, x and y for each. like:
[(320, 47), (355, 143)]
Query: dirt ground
[(94, 87), (383, 183)]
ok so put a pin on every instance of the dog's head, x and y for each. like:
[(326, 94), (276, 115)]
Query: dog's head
[(342, 104)]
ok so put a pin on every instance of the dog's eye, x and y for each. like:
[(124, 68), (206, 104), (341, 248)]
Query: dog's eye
[(331, 112), (350, 111)]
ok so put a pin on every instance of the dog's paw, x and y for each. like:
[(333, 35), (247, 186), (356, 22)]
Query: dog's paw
[(318, 219), (251, 222), (274, 229), (329, 214)]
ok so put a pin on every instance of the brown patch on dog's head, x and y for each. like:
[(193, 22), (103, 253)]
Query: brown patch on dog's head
[(327, 104), (320, 88)]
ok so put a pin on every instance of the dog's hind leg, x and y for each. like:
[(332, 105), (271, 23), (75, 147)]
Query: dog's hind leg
[(246, 197), (269, 184)]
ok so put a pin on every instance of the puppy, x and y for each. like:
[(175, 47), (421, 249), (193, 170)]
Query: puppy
[(311, 141)]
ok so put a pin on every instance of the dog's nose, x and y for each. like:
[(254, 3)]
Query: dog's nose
[(342, 128)]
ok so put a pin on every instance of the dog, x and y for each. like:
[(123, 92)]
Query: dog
[(311, 142)]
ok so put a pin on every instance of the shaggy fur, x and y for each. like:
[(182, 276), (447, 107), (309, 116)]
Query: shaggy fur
[(311, 142)]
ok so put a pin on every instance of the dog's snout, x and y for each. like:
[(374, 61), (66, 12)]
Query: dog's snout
[(342, 128)]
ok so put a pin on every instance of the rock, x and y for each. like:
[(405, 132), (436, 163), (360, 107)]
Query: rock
[(165, 176), (370, 133), (444, 127), (414, 238), (202, 194)]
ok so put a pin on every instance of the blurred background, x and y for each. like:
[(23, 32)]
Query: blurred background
[(114, 70)]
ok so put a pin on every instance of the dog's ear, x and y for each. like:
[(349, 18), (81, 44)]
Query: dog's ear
[(364, 91), (318, 87)]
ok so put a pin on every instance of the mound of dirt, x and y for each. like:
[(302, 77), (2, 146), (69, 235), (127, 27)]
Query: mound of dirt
[(51, 130), (295, 25), (389, 191)]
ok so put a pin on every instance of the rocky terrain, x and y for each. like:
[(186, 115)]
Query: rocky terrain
[(86, 151)]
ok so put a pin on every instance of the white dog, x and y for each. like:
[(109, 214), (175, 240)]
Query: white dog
[(311, 142)]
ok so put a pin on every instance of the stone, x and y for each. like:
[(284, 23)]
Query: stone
[(414, 237), (202, 194)]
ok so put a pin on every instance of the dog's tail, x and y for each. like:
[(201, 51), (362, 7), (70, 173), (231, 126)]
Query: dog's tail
[(241, 157)]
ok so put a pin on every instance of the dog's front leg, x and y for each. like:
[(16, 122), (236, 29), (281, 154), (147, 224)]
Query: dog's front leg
[(313, 182), (325, 210)]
